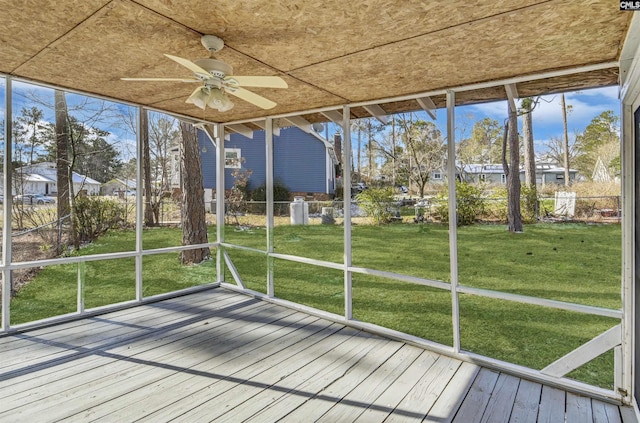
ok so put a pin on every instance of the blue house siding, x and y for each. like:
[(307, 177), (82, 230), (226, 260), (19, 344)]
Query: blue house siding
[(300, 161)]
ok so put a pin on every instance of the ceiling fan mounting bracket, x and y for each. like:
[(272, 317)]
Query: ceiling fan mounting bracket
[(212, 43)]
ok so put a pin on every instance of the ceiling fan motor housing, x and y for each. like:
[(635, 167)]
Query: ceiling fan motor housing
[(215, 67)]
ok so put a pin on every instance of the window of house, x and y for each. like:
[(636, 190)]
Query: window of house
[(437, 175), (503, 178), (232, 158)]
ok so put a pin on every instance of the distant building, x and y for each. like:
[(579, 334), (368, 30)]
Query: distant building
[(493, 174), (600, 172), (118, 186), (40, 178), (304, 162)]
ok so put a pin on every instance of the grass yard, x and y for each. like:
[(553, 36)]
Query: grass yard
[(570, 262)]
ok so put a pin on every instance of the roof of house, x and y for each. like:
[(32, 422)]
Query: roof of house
[(34, 176), (330, 53), (128, 183), (486, 169)]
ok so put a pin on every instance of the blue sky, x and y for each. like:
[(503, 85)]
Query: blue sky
[(547, 117)]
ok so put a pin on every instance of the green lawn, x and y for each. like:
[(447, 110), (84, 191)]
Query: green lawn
[(570, 262)]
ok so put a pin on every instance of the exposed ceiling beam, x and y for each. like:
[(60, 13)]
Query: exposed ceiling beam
[(377, 112), (208, 131), (241, 129), (512, 94), (334, 116), (300, 122), (428, 106), (459, 88), (261, 124)]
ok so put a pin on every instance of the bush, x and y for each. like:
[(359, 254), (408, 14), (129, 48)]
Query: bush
[(375, 203), (470, 205), (281, 195), (95, 216)]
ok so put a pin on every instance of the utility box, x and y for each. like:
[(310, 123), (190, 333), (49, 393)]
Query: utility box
[(299, 211)]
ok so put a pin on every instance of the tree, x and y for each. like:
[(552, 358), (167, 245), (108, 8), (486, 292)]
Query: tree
[(566, 141), (149, 215), (194, 225), (527, 105), (556, 148), (29, 121), (64, 168), (89, 152), (600, 139), (484, 146), (511, 142), (424, 149)]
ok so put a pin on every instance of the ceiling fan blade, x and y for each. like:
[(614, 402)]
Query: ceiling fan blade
[(189, 65), (259, 81), (252, 98), (162, 79)]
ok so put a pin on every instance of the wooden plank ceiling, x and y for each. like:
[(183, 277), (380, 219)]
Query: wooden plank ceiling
[(330, 52)]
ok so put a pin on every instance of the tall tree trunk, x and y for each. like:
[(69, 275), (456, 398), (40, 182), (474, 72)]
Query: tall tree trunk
[(529, 158), (370, 173), (149, 218), (566, 141), (513, 176), (62, 163), (194, 225), (359, 153), (393, 150)]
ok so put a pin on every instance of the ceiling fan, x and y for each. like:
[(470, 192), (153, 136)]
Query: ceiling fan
[(217, 80)]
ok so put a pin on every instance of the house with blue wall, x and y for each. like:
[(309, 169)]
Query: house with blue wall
[(304, 162)]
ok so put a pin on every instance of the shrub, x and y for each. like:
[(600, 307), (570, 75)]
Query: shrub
[(375, 203), (281, 195), (95, 216), (470, 205), (236, 197)]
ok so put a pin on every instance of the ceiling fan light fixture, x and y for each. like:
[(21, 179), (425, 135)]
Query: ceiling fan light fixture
[(217, 99), (212, 97)]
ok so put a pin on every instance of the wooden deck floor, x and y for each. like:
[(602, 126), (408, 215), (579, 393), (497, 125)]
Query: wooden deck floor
[(222, 356)]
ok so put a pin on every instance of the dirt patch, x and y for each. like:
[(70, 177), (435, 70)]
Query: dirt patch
[(28, 247)]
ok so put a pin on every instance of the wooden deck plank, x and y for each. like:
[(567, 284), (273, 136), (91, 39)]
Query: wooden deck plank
[(578, 409), (386, 403), (478, 397), (150, 398), (128, 316), (308, 381), (552, 405), (358, 400), (628, 415), (91, 336), (417, 403), (527, 402), (338, 402), (502, 399), (128, 373), (605, 413), (195, 402), (57, 372), (445, 408), (224, 356), (331, 357)]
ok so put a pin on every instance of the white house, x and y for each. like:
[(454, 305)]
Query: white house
[(546, 173), (40, 178), (119, 186)]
